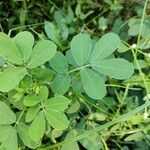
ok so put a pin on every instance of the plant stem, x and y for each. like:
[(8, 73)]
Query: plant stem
[(57, 7), (121, 86), (79, 68), (141, 74), (142, 21), (25, 26), (36, 33), (123, 99), (20, 116), (140, 71), (130, 131), (98, 108)]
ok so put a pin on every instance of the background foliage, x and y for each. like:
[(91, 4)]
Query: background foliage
[(63, 100)]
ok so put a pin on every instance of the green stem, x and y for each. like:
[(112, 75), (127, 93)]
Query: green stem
[(25, 26), (25, 5), (57, 7), (101, 127), (36, 33), (19, 118), (100, 14), (79, 68), (104, 143), (142, 21), (130, 131), (121, 86), (140, 72), (123, 99), (97, 107), (87, 106)]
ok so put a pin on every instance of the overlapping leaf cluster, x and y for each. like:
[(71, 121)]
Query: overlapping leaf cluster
[(26, 80), (93, 62)]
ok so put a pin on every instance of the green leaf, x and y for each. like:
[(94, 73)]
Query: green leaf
[(102, 23), (138, 136), (92, 142), (43, 93), (6, 114), (105, 46), (2, 62), (10, 78), (5, 131), (61, 84), (142, 64), (134, 30), (97, 116), (11, 142), (64, 31), (8, 50), (23, 131), (72, 145), (70, 15), (59, 63), (58, 17), (57, 103), (42, 52), (26, 82), (52, 32), (76, 84), (16, 102), (32, 113), (70, 58), (37, 128), (56, 119), (24, 42), (74, 108), (55, 133), (123, 48), (31, 100), (81, 47), (116, 68), (42, 74), (92, 84)]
